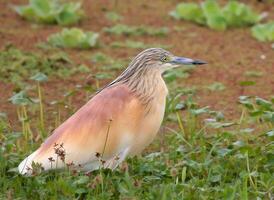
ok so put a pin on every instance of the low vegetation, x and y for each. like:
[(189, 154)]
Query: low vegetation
[(136, 45), (122, 29), (264, 32), (209, 158), (113, 16), (17, 66), (209, 13), (74, 38), (51, 12)]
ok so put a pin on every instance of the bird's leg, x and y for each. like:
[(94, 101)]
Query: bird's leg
[(116, 160)]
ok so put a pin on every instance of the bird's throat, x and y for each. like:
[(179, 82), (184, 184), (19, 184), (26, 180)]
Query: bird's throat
[(149, 87)]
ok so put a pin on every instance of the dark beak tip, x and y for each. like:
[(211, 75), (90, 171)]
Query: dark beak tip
[(199, 62)]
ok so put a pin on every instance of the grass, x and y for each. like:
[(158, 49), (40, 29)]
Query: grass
[(136, 45), (122, 29), (198, 155), (17, 66)]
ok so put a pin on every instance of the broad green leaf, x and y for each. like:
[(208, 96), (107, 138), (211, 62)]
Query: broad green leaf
[(69, 14), (264, 103), (263, 32), (41, 7), (20, 98), (40, 77), (233, 14), (71, 37), (214, 16), (239, 143), (44, 10), (100, 58), (92, 39), (268, 116), (189, 11), (217, 125), (200, 111), (179, 106), (215, 178), (246, 130), (26, 11), (74, 38), (238, 14), (172, 75), (270, 133), (220, 116), (81, 190), (51, 12), (223, 152), (81, 180)]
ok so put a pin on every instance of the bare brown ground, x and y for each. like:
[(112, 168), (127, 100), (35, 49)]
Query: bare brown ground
[(229, 54)]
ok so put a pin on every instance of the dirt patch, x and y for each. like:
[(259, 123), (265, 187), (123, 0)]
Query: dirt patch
[(230, 54)]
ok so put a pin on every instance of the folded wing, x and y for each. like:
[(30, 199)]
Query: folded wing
[(105, 126)]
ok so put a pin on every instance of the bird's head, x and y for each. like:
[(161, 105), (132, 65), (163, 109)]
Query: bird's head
[(150, 62), (161, 60)]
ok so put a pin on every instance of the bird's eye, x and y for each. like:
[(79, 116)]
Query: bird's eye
[(164, 59)]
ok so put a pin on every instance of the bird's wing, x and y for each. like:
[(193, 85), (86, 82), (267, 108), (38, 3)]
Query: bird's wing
[(104, 127)]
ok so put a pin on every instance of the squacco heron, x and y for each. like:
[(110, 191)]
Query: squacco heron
[(119, 121)]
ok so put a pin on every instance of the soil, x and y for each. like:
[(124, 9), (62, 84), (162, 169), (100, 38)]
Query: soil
[(229, 54)]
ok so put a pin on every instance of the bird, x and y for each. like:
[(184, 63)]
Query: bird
[(120, 120)]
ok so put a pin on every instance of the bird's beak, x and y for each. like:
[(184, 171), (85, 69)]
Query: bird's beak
[(186, 61)]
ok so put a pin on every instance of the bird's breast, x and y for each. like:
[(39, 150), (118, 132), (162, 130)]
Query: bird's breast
[(151, 121)]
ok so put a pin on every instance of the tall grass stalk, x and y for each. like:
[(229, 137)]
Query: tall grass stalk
[(97, 84), (181, 124), (58, 116), (41, 110), (24, 119), (249, 174), (105, 144)]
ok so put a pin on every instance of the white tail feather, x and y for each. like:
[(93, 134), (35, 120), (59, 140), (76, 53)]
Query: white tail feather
[(24, 167)]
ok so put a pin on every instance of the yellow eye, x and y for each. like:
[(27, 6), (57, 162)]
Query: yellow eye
[(164, 59)]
